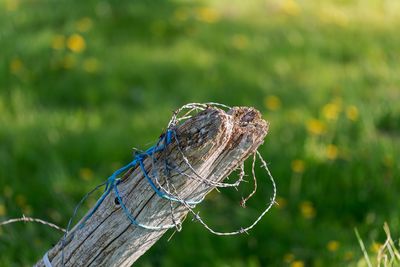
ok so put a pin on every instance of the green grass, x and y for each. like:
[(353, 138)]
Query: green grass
[(324, 73)]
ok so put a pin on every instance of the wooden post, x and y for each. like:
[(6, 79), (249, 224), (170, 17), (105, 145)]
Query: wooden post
[(214, 141)]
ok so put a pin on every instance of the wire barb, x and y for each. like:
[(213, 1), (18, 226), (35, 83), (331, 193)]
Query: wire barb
[(30, 219), (168, 192), (171, 195)]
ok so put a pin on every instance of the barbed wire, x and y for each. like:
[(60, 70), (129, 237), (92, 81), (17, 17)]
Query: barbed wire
[(168, 191), (175, 119), (31, 219), (272, 201)]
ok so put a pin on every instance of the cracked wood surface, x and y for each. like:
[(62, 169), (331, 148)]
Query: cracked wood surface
[(214, 141)]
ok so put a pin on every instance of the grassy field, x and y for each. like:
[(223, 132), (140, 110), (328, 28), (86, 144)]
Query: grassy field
[(83, 82)]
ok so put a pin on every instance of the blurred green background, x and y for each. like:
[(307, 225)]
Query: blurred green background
[(83, 82)]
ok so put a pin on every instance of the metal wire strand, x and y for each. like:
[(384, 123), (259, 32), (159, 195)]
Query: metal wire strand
[(31, 219)]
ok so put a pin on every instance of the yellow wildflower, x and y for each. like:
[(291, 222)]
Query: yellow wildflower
[(307, 209), (86, 174), (316, 127), (240, 41), (375, 247), (352, 113), (91, 65), (333, 245), (76, 43), (331, 111), (332, 152), (84, 24), (2, 210), (298, 166), (288, 258), (207, 14), (272, 102), (16, 66), (58, 42), (297, 263), (290, 8)]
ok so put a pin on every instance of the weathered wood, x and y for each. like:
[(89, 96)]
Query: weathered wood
[(214, 141)]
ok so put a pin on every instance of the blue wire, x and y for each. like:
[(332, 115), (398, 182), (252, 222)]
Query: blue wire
[(112, 181)]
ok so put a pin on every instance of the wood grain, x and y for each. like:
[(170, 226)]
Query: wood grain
[(215, 142)]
